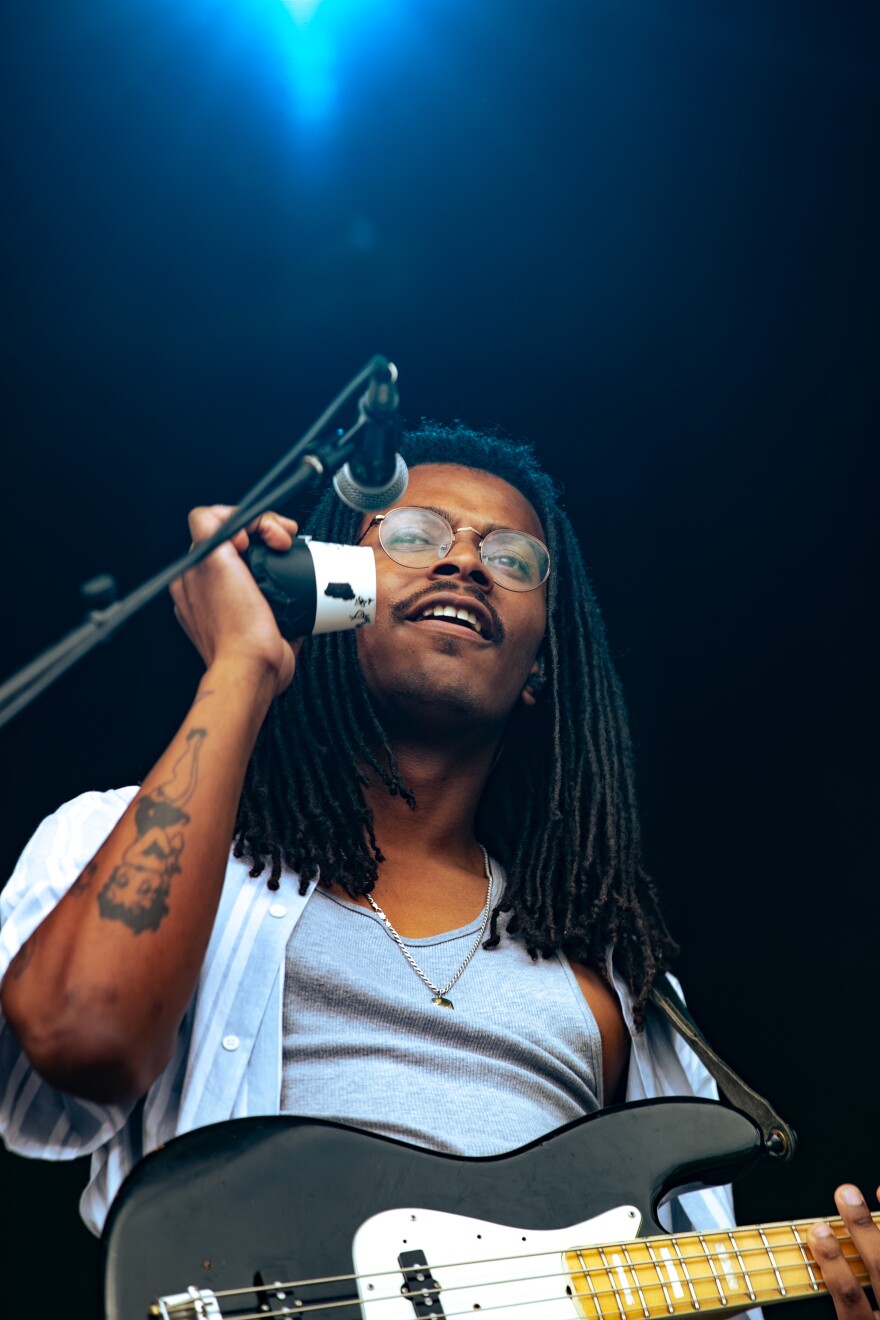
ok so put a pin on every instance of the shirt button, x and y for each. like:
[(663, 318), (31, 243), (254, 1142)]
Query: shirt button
[(231, 1042), (277, 910)]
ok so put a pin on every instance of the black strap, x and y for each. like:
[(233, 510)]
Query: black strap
[(779, 1138), (136, 1126)]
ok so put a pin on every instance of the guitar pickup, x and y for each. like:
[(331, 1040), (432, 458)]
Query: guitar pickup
[(278, 1299), (419, 1286), (275, 1298)]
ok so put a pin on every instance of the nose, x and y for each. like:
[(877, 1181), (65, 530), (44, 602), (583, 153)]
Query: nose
[(462, 560)]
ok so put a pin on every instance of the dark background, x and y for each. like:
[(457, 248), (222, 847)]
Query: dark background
[(642, 234)]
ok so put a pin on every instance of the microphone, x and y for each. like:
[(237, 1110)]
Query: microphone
[(315, 586), (377, 476)]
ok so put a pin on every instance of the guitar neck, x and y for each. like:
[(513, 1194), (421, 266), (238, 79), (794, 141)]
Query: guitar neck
[(685, 1272)]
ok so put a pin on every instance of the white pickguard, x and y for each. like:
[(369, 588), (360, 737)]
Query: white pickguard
[(507, 1273)]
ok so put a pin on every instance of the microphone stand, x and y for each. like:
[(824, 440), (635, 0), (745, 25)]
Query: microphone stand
[(315, 458)]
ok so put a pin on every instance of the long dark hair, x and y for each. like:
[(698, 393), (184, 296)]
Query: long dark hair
[(559, 811)]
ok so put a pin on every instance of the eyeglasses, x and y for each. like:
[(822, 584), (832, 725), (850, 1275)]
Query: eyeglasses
[(417, 538)]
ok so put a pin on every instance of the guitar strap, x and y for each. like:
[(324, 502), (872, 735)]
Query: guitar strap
[(779, 1138)]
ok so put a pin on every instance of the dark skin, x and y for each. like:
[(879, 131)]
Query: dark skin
[(850, 1300), (97, 1000), (98, 993), (446, 694)]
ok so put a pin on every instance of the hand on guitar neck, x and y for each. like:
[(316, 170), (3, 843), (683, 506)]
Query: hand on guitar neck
[(844, 1287)]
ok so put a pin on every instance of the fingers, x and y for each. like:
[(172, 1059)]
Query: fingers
[(835, 1258), (276, 530), (218, 603), (272, 528)]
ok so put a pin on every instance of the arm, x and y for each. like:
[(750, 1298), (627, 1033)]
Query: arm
[(97, 994)]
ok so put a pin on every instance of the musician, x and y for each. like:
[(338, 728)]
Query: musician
[(434, 922)]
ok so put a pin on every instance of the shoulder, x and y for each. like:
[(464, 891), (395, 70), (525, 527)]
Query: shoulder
[(608, 1012), (662, 1061)]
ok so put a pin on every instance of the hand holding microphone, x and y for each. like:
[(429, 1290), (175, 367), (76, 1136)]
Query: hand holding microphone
[(309, 586), (376, 472), (220, 608), (314, 587)]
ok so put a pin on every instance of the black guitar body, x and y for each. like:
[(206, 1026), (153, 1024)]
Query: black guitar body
[(261, 1199)]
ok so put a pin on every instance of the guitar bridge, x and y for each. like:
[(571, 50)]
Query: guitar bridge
[(194, 1304), (419, 1286)]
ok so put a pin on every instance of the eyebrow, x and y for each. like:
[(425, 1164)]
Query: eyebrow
[(489, 527)]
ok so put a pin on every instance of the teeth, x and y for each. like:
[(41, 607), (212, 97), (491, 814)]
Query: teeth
[(450, 612)]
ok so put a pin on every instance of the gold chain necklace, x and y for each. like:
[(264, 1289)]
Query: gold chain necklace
[(440, 998)]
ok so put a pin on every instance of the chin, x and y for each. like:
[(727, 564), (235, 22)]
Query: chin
[(428, 701)]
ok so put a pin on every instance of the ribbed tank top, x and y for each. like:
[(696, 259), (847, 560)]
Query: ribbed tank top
[(519, 1054)]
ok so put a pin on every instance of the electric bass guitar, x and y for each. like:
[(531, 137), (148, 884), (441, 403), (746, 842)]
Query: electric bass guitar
[(263, 1218)]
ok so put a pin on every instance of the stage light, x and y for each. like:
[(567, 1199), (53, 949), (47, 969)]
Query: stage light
[(308, 51), (302, 10), (309, 48)]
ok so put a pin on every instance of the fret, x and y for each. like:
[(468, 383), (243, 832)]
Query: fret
[(607, 1268), (662, 1276), (727, 1264), (715, 1275), (814, 1283), (772, 1259), (749, 1289), (635, 1275), (655, 1262), (671, 1272), (592, 1287), (684, 1269)]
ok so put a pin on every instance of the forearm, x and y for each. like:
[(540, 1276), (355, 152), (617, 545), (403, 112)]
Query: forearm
[(97, 994)]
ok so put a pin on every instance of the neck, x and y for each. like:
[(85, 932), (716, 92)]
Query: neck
[(447, 781), (653, 1278)]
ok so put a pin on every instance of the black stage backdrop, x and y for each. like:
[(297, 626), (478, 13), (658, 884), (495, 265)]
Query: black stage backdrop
[(642, 234)]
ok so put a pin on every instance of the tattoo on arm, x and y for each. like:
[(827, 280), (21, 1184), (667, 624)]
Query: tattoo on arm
[(83, 883), (138, 889), (21, 961)]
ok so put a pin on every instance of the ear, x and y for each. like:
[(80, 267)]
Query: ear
[(535, 682)]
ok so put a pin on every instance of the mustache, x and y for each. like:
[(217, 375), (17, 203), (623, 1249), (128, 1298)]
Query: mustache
[(400, 612)]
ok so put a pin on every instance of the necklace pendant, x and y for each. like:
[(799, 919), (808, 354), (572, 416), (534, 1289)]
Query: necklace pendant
[(442, 1002)]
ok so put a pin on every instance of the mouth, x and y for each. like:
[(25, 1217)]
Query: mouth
[(455, 613), (461, 618)]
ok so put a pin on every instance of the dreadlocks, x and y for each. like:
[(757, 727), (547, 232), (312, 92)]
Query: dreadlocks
[(559, 810)]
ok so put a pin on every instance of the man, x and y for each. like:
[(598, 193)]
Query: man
[(436, 858)]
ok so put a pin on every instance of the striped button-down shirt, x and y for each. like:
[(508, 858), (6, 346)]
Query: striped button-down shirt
[(228, 1058)]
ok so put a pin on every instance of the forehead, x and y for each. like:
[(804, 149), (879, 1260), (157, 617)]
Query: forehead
[(470, 497)]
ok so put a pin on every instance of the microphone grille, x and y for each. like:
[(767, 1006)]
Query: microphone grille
[(367, 499)]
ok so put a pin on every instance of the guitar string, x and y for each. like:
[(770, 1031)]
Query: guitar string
[(687, 1236), (611, 1291), (594, 1295), (627, 1268), (601, 1292), (615, 1312)]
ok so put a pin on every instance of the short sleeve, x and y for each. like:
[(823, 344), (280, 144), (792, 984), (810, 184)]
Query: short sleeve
[(35, 1118)]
